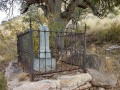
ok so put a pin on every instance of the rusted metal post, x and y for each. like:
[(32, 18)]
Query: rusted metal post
[(31, 53), (84, 61), (32, 56)]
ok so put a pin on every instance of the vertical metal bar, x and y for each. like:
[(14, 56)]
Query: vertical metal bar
[(56, 41), (73, 37), (49, 43), (84, 61), (21, 56), (31, 61), (71, 48), (18, 53), (80, 35), (21, 51), (61, 49), (45, 50), (65, 48), (39, 49), (75, 55)]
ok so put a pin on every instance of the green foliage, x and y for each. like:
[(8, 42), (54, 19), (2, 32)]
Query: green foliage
[(36, 43), (3, 22), (36, 15), (2, 82), (55, 26), (112, 34)]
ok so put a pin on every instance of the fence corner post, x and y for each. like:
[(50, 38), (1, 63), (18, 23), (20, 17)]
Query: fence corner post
[(32, 57), (84, 61)]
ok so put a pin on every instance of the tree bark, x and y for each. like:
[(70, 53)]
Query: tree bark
[(58, 24)]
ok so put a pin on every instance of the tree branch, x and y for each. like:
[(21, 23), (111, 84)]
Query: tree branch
[(92, 6), (44, 8), (54, 6), (69, 10), (82, 5), (27, 3)]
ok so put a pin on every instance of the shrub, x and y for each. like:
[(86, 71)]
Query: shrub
[(2, 82), (111, 34)]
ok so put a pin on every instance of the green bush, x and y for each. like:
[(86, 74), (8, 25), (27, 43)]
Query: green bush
[(111, 34), (36, 43), (2, 82)]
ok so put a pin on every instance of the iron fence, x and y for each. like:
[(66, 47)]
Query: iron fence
[(64, 51)]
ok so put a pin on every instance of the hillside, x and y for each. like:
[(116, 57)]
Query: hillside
[(101, 34)]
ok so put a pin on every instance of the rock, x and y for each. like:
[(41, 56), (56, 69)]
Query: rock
[(97, 88), (74, 81), (94, 62), (54, 84), (12, 69), (65, 89), (33, 86), (39, 85), (14, 75), (102, 79), (17, 80), (113, 47), (100, 88), (12, 84), (86, 86), (67, 82)]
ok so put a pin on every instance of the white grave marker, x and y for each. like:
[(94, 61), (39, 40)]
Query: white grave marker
[(46, 62)]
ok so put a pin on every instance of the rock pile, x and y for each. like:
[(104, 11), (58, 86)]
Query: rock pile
[(93, 80)]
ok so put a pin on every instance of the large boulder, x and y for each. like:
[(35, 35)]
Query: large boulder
[(101, 79), (40, 85), (17, 80), (66, 82), (12, 70)]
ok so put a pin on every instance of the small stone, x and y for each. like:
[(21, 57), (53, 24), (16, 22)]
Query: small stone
[(100, 88), (53, 83), (65, 89), (86, 86), (33, 86)]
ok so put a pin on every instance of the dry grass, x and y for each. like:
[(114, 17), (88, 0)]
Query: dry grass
[(23, 76), (111, 61), (108, 35)]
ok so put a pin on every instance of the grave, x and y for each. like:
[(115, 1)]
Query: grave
[(45, 62)]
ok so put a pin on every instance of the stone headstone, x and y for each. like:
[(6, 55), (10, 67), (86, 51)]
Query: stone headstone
[(45, 62)]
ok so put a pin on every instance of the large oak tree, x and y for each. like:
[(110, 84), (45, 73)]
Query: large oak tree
[(60, 12)]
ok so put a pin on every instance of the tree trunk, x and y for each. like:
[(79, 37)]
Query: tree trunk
[(58, 24)]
